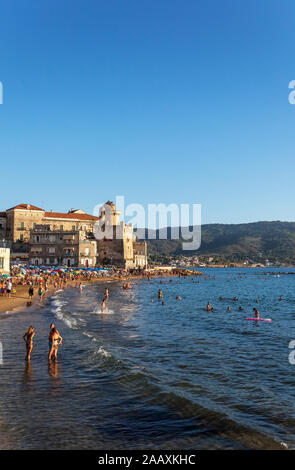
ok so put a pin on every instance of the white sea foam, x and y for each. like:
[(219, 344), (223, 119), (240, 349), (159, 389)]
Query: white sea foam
[(70, 322), (89, 336), (102, 312), (102, 352)]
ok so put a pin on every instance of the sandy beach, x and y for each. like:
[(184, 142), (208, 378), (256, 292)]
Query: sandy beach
[(20, 299)]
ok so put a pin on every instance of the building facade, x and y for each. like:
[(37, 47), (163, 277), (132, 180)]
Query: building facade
[(117, 240), (40, 237), (62, 247), (4, 260)]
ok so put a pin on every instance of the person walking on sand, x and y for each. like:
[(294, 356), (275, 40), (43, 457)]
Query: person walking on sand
[(9, 288), (28, 338), (55, 340), (31, 292), (40, 292)]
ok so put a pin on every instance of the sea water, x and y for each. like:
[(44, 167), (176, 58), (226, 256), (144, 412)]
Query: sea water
[(155, 376)]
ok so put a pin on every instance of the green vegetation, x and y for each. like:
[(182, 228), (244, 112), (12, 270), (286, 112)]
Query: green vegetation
[(258, 242)]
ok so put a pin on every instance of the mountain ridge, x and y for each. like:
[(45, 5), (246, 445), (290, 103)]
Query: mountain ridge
[(253, 241)]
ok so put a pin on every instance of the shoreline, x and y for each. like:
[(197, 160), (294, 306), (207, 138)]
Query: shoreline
[(20, 300)]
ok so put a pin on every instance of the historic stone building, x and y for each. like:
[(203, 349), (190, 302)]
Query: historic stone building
[(20, 225), (21, 219), (117, 240), (62, 247)]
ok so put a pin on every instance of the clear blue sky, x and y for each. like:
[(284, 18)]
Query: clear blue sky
[(158, 100)]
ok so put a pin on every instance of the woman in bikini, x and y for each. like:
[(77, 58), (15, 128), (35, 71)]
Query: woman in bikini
[(28, 338), (54, 341)]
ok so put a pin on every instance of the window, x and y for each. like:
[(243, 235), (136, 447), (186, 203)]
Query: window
[(51, 250), (34, 225), (73, 227), (61, 228), (1, 263), (21, 237), (86, 251), (22, 225)]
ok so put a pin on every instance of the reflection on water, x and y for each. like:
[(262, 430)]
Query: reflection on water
[(28, 375), (151, 375), (54, 369)]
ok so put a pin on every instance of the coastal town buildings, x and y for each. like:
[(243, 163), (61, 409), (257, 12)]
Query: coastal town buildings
[(4, 260), (55, 238), (59, 247)]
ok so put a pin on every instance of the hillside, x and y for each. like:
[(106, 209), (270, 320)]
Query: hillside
[(256, 242)]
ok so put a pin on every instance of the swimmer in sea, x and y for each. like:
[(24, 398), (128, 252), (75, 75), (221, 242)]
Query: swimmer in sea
[(106, 293), (235, 299), (28, 338), (240, 308), (228, 309), (209, 307), (178, 297), (103, 304), (281, 298), (160, 294), (257, 301)]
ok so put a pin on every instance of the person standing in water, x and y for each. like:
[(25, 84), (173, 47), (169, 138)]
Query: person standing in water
[(160, 294), (55, 340), (256, 313), (28, 338)]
